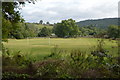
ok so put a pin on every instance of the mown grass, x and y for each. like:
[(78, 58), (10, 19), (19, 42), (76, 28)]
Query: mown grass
[(40, 47)]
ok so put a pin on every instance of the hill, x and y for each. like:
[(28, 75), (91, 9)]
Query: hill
[(41, 25), (100, 23)]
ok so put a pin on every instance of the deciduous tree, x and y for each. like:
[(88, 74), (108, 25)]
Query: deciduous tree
[(67, 28)]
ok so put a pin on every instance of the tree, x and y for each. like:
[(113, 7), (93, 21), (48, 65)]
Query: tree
[(89, 30), (6, 28), (67, 28), (9, 12), (44, 32), (11, 16), (113, 31), (24, 30), (101, 33), (41, 22), (47, 23)]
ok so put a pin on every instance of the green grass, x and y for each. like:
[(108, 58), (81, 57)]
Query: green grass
[(41, 47), (41, 26)]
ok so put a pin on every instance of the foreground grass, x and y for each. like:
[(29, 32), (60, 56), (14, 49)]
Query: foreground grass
[(40, 47)]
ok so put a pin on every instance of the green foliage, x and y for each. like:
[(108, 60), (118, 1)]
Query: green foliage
[(44, 32), (47, 23), (41, 22), (103, 59), (16, 33), (100, 45), (67, 28), (12, 75), (24, 30), (31, 29), (6, 28), (56, 53), (113, 31), (99, 23), (47, 71), (102, 33), (88, 30), (9, 12), (78, 63), (10, 17)]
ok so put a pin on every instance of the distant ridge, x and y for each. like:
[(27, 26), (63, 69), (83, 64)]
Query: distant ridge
[(100, 23)]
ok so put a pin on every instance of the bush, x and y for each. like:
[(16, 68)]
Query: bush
[(44, 32)]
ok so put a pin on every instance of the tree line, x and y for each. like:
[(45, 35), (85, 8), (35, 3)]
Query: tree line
[(63, 29), (69, 28)]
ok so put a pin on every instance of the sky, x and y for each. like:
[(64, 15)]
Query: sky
[(54, 11)]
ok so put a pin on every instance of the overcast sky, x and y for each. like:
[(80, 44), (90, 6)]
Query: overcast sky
[(57, 10)]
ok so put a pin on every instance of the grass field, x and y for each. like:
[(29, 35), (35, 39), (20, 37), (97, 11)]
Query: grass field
[(41, 26), (39, 47)]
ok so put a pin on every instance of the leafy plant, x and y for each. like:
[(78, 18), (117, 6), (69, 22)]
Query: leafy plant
[(12, 75)]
